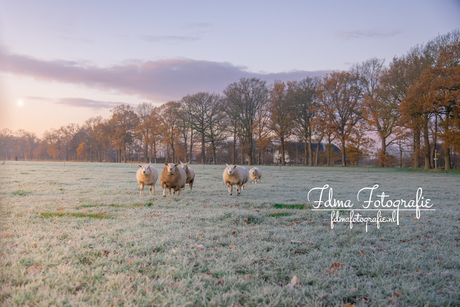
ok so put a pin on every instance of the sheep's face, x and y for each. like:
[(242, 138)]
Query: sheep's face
[(254, 172), (145, 169), (184, 166), (171, 168), (230, 169)]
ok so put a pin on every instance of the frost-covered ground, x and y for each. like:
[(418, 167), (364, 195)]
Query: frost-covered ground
[(79, 234)]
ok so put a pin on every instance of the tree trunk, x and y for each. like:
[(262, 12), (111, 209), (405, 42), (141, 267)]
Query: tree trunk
[(297, 153), (447, 150), (383, 152), (250, 150), (191, 146), (258, 153), (310, 151), (305, 153), (426, 139), (283, 161), (213, 152), (416, 162), (447, 158), (344, 161), (173, 153), (202, 149), (234, 146)]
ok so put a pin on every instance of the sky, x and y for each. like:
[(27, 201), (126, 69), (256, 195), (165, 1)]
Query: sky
[(63, 62)]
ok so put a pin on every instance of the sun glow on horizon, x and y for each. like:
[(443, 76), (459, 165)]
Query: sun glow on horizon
[(20, 103)]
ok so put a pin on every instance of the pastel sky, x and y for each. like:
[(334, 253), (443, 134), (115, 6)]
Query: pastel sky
[(63, 62)]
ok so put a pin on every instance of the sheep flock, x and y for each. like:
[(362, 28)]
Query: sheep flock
[(176, 175)]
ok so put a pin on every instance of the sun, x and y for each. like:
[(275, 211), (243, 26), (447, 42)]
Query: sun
[(20, 103)]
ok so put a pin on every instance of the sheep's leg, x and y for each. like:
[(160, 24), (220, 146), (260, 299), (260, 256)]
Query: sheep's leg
[(230, 188), (191, 184), (170, 191), (178, 191), (238, 189), (150, 189), (142, 189), (164, 191)]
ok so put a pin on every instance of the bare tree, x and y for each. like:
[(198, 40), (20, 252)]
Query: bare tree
[(143, 111), (244, 99), (170, 120), (281, 115), (305, 101), (217, 123)]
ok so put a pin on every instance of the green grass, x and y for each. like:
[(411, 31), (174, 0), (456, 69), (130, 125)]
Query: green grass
[(21, 193), (97, 242), (75, 215), (279, 214), (292, 206)]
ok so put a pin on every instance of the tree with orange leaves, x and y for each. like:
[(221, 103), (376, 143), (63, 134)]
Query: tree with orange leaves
[(340, 96), (438, 92)]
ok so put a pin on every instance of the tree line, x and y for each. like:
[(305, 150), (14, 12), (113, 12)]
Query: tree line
[(412, 104)]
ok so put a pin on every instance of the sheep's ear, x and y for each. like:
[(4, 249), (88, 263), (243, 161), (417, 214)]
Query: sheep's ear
[(176, 164), (166, 163), (140, 165), (226, 164), (235, 165)]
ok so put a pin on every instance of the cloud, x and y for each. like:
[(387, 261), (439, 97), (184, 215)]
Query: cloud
[(168, 38), (370, 34), (157, 81), (77, 102), (88, 103)]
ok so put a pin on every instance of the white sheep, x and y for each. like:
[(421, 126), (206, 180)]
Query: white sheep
[(255, 173), (235, 175), (147, 175), (190, 174), (172, 177)]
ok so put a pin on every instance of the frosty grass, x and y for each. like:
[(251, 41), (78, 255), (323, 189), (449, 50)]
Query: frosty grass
[(80, 235)]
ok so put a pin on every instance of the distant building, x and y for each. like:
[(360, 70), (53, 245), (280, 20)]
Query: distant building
[(297, 149)]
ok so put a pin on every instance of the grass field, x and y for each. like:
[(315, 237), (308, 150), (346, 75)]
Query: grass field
[(80, 235)]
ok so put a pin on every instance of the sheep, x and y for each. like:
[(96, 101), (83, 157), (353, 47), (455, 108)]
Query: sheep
[(255, 173), (147, 175), (190, 174), (234, 174), (172, 177)]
